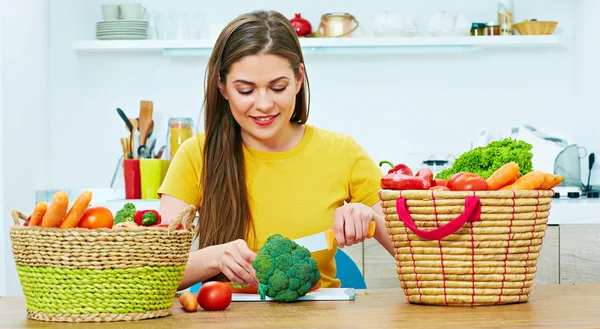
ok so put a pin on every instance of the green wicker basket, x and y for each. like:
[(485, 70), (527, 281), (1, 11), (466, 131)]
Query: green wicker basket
[(101, 275)]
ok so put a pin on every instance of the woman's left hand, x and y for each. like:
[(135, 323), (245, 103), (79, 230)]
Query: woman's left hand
[(351, 223)]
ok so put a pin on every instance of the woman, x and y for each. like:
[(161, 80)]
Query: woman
[(259, 169)]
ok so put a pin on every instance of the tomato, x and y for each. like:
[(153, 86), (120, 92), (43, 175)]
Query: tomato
[(439, 188), (467, 182), (439, 182), (214, 295), (453, 178), (97, 217)]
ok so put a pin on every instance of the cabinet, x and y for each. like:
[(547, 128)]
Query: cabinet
[(579, 254), (548, 267)]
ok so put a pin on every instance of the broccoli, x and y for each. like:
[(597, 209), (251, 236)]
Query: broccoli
[(125, 214), (484, 160), (286, 271)]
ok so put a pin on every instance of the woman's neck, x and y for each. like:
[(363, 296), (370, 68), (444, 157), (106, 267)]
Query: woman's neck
[(286, 140)]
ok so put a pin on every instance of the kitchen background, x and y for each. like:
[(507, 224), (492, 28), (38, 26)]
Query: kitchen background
[(60, 128)]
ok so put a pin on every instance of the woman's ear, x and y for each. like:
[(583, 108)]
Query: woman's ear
[(222, 88), (300, 77)]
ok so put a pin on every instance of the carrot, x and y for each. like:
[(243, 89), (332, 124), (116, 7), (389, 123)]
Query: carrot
[(56, 210), (530, 181), (505, 175), (38, 213), (548, 181), (557, 180), (188, 301), (77, 209)]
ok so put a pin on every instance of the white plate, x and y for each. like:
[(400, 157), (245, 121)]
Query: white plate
[(120, 24), (121, 30), (121, 37)]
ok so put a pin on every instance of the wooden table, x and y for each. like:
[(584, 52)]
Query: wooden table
[(551, 306)]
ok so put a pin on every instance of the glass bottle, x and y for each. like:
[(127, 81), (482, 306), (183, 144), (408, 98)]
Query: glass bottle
[(505, 17), (180, 129)]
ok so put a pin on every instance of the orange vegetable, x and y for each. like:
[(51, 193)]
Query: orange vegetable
[(557, 180), (56, 210), (548, 181), (79, 206), (505, 175), (38, 213), (188, 301), (530, 181)]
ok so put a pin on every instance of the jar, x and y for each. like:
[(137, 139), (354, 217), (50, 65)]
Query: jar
[(505, 17), (492, 29), (337, 25), (180, 129), (478, 29)]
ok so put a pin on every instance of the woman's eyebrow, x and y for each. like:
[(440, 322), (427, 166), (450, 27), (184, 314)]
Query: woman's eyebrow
[(252, 83)]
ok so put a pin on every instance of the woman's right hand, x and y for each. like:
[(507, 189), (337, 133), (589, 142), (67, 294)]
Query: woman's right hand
[(235, 262)]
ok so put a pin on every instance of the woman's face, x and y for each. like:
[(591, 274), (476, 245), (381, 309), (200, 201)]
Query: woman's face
[(261, 90)]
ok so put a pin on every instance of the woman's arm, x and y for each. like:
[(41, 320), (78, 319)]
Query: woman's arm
[(381, 233), (234, 259)]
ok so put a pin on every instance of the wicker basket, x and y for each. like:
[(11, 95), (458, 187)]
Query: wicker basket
[(100, 275), (466, 248), (535, 27)]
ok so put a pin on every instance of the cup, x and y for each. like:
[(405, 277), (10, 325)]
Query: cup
[(110, 12), (132, 11), (152, 173), (131, 174)]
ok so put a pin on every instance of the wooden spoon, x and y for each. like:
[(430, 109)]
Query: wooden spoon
[(145, 123)]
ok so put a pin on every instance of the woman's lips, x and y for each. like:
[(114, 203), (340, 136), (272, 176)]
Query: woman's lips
[(265, 120)]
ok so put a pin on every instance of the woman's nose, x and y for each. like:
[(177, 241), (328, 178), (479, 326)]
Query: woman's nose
[(263, 101)]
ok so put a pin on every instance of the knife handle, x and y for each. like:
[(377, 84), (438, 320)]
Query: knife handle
[(331, 240)]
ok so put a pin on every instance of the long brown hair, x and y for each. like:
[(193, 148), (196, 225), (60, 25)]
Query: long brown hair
[(224, 214)]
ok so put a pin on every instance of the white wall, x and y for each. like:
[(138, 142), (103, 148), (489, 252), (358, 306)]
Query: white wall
[(3, 249), (401, 107), (25, 106)]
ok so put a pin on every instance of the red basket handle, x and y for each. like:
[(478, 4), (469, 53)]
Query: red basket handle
[(472, 213)]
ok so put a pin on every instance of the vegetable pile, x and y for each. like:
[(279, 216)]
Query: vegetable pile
[(82, 215), (485, 160), (286, 271), (501, 165)]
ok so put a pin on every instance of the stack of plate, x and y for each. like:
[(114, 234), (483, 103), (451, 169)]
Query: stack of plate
[(122, 30)]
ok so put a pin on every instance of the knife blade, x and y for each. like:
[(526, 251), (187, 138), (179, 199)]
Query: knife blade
[(326, 240)]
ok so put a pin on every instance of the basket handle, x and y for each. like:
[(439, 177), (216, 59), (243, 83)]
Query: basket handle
[(472, 213), (185, 217), (17, 216)]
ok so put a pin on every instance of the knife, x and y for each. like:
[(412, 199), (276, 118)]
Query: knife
[(326, 240)]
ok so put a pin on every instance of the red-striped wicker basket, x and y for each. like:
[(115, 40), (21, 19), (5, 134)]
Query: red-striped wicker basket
[(466, 248)]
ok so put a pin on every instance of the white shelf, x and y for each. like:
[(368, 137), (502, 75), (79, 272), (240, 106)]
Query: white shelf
[(333, 45)]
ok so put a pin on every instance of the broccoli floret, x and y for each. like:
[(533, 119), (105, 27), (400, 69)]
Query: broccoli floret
[(485, 160), (125, 214), (286, 271)]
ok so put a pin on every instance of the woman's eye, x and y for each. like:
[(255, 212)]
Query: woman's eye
[(278, 90), (245, 92)]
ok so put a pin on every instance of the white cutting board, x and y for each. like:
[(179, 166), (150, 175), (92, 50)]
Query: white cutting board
[(321, 294)]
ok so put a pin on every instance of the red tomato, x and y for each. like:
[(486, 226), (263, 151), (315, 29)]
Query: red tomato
[(453, 178), (467, 182), (214, 295), (97, 217), (439, 182)]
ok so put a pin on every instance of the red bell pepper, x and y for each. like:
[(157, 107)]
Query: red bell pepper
[(426, 174), (401, 178), (147, 217)]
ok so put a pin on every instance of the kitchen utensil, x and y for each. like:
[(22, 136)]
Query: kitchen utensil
[(326, 240), (129, 147), (320, 294), (125, 148), (160, 152), (568, 165), (145, 120), (337, 25), (145, 151), (301, 25), (591, 160), (125, 119)]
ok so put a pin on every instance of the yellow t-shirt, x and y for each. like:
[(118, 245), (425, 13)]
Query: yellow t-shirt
[(293, 193)]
